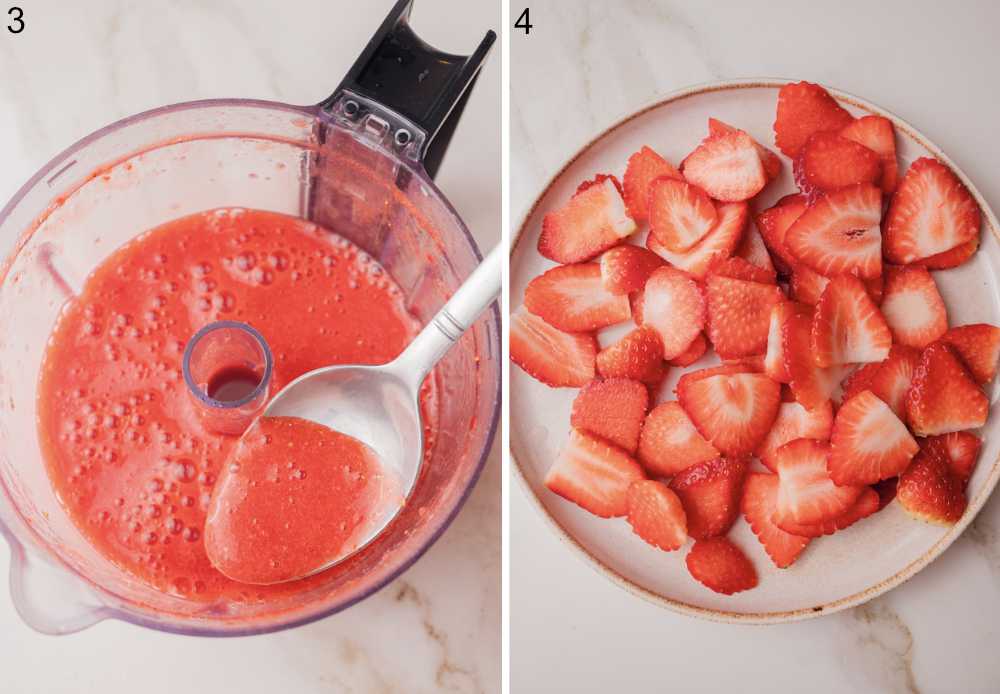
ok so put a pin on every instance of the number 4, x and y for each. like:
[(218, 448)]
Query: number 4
[(524, 22)]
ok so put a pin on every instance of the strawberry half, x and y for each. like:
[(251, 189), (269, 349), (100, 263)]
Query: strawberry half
[(812, 385), (805, 108), (760, 499), (680, 214), (720, 243), (770, 160), (979, 347), (868, 503), (877, 134), (638, 356), (828, 162), (795, 422), (739, 313), (594, 475), (669, 442), (592, 221), (625, 268), (847, 326), (721, 566), (572, 298), (929, 491), (806, 494), (943, 397), (931, 212), (726, 166), (868, 442), (710, 493), (840, 233), (613, 409), (913, 307), (656, 515), (774, 224), (732, 411), (694, 352), (753, 250), (556, 358), (774, 357), (643, 168), (959, 449), (673, 305)]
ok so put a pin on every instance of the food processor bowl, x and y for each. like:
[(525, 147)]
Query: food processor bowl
[(354, 164)]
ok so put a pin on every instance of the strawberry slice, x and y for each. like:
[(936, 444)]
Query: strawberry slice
[(913, 307), (728, 369), (555, 358), (694, 352), (573, 299), (840, 233), (807, 286), (680, 214), (594, 475), (753, 250), (669, 442), (943, 397), (868, 443), (732, 411), (860, 379), (673, 305), (637, 356), (959, 449), (949, 259), (868, 503), (828, 162), (740, 269), (592, 221), (803, 109), (877, 134), (812, 385), (643, 168), (931, 212), (760, 499), (656, 515), (774, 358), (613, 409), (625, 268), (979, 347), (806, 494), (710, 492), (929, 491), (719, 244), (891, 379), (774, 224), (770, 160), (795, 422), (721, 566), (847, 325), (726, 166), (739, 314)]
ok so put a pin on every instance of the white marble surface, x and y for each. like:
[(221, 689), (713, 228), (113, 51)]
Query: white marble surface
[(81, 65), (587, 62)]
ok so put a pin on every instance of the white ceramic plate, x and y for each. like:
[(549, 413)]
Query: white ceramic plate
[(834, 572)]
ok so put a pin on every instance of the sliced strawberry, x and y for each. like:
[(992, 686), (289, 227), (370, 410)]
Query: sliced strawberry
[(775, 222), (719, 244), (572, 298), (638, 356), (828, 162), (760, 499), (643, 168), (949, 259), (721, 566), (979, 347), (710, 492), (656, 515), (693, 353), (812, 385), (868, 443), (680, 214), (860, 379), (803, 109), (840, 233), (806, 494), (774, 358), (740, 269), (600, 179), (913, 307), (732, 411), (795, 422), (613, 409), (673, 305), (739, 313), (770, 160), (592, 221), (943, 397), (753, 250), (959, 449), (753, 362), (877, 134), (726, 166), (554, 357), (847, 325), (929, 491), (931, 212), (886, 490), (892, 378), (691, 377), (867, 504), (625, 268), (669, 442), (594, 475), (807, 285)]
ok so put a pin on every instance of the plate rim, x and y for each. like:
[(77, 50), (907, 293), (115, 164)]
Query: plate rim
[(721, 615)]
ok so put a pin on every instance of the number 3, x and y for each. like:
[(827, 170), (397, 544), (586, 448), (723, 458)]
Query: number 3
[(17, 21)]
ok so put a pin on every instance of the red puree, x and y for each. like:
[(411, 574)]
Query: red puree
[(124, 448), (294, 496)]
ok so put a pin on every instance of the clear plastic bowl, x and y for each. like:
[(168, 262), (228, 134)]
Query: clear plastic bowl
[(177, 160)]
